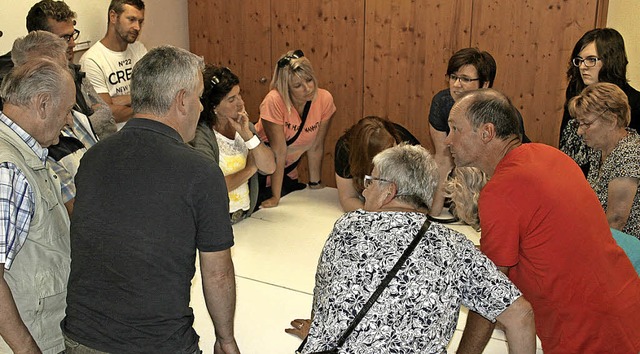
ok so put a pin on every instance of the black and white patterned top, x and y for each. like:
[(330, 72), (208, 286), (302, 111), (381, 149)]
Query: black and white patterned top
[(418, 311), (623, 161), (573, 145)]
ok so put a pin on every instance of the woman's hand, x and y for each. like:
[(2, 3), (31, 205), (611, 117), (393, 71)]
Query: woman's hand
[(270, 203), (300, 328), (241, 125)]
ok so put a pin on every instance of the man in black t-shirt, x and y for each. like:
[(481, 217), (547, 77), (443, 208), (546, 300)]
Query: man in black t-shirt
[(145, 203)]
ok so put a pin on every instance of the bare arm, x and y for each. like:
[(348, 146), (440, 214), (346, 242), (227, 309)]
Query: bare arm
[(120, 106), (316, 151), (349, 198), (13, 330), (262, 155), (275, 134), (219, 285), (621, 193), (445, 165), (520, 328)]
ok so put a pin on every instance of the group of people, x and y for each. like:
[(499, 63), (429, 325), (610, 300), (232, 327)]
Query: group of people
[(556, 234), (85, 266)]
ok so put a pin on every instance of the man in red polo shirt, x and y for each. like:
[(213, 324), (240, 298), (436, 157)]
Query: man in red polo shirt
[(544, 227)]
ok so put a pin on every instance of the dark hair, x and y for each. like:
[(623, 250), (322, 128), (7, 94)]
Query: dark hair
[(118, 5), (218, 82), (482, 61), (610, 47), (37, 18), (491, 106), (365, 140)]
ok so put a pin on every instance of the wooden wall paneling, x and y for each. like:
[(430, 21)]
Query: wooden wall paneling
[(330, 33), (532, 41), (235, 34), (407, 47)]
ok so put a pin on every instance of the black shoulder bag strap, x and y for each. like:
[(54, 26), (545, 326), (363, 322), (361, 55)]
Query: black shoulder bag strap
[(303, 119), (376, 294)]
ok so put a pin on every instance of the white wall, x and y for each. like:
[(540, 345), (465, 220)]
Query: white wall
[(622, 16), (166, 21)]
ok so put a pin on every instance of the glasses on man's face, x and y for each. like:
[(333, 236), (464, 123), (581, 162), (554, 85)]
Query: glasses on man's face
[(586, 125), (463, 79), (369, 179), (297, 54), (215, 79), (69, 37), (589, 62)]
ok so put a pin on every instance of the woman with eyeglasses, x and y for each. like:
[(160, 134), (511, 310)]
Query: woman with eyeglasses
[(602, 115), (416, 312), (225, 134), (355, 151), (294, 119), (599, 56)]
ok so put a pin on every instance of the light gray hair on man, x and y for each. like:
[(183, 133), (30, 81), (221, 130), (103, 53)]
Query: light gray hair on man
[(39, 44), (412, 169), (34, 77), (159, 76)]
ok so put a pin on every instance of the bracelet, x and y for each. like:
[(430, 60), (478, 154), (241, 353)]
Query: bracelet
[(313, 184), (253, 142)]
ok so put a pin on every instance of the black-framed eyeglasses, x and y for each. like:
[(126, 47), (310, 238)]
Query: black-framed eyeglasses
[(589, 62), (69, 37), (463, 79), (215, 79), (297, 54), (369, 179)]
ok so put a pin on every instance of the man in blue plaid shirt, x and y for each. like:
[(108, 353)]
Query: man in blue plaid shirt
[(34, 225)]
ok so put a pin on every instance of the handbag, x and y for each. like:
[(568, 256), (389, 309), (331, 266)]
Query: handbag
[(303, 119), (376, 294)]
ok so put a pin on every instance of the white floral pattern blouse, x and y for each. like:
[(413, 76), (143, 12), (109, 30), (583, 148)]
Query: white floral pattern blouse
[(418, 311)]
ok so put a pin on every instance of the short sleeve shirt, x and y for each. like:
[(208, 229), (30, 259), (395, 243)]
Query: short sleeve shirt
[(273, 109)]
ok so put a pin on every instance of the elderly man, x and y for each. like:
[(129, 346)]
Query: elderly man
[(34, 246), (544, 227), (129, 288), (56, 17), (109, 62), (76, 138)]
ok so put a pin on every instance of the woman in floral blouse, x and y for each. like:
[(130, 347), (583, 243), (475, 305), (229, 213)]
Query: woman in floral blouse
[(417, 312), (602, 113)]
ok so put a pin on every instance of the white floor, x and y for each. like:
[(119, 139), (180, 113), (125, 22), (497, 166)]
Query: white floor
[(275, 256)]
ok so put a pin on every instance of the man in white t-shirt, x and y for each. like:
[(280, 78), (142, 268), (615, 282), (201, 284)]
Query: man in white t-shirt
[(109, 62)]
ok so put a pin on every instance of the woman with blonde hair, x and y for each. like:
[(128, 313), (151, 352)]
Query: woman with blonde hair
[(602, 114), (294, 119), (463, 187)]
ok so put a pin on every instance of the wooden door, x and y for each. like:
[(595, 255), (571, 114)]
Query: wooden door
[(236, 34), (407, 48), (330, 34)]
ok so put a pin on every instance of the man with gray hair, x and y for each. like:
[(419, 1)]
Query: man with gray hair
[(129, 288), (76, 138), (34, 226), (543, 226)]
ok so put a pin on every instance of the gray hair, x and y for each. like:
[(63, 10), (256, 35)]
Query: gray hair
[(282, 77), (35, 77), (39, 44), (491, 106), (160, 75), (412, 169)]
